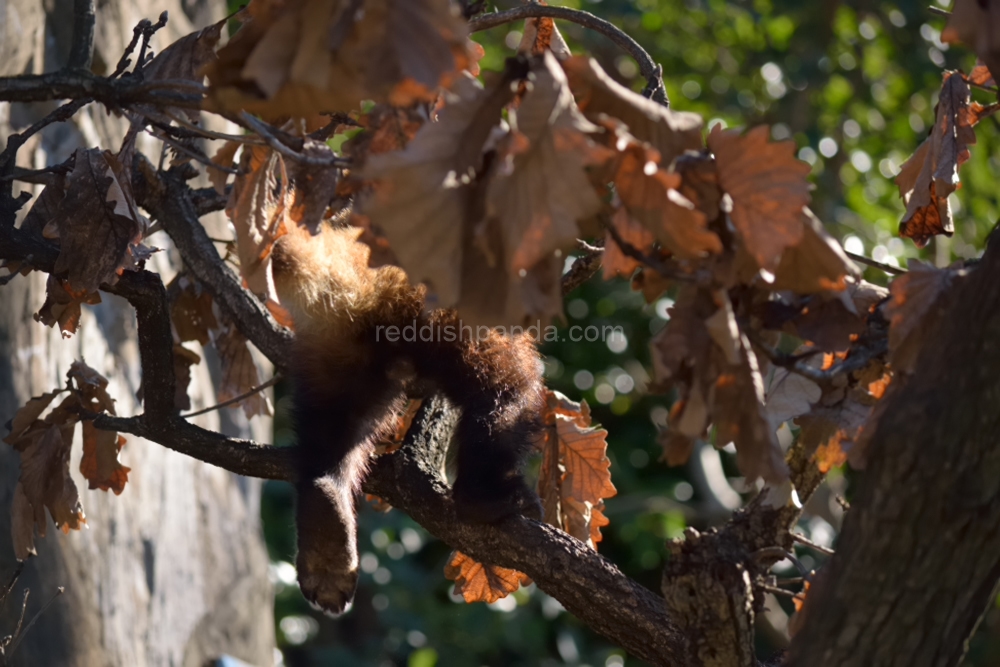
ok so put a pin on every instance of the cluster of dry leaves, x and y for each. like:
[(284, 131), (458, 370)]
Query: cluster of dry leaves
[(479, 189)]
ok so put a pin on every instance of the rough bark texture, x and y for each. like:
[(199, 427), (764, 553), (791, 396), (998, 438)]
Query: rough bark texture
[(174, 571), (919, 555)]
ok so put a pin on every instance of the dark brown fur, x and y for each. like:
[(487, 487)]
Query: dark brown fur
[(351, 379)]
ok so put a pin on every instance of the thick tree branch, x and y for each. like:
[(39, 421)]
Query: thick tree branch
[(589, 586), (81, 52), (113, 93), (898, 591), (651, 71)]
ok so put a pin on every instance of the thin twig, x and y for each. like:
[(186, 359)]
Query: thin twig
[(268, 134), (802, 539), (124, 61), (939, 12), (664, 267), (236, 399), (20, 636), (888, 268), (13, 580), (774, 589), (147, 33), (193, 154), (647, 66), (584, 267), (212, 134)]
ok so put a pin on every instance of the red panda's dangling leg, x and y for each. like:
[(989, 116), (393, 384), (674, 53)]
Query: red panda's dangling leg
[(335, 431), (496, 382)]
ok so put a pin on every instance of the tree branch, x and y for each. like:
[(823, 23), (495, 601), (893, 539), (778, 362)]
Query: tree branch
[(652, 72), (113, 93), (81, 52), (589, 586), (168, 198)]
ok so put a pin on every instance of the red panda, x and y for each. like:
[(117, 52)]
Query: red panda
[(350, 377)]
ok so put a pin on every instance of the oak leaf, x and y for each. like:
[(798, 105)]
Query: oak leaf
[(423, 197), (669, 132), (768, 187), (63, 306), (185, 59), (650, 194), (614, 261), (100, 465), (191, 310), (255, 209), (308, 56), (575, 477), (239, 372), (542, 189), (931, 174), (817, 263), (476, 582), (977, 25), (913, 309)]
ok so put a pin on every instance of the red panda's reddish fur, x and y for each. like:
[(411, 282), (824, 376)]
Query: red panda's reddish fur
[(351, 377)]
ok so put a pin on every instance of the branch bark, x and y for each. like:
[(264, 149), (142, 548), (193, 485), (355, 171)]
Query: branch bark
[(899, 590)]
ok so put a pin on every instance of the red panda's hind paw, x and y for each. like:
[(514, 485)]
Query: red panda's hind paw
[(476, 507), (330, 593)]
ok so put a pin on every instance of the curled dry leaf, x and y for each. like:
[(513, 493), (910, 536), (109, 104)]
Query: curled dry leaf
[(614, 261), (931, 174), (541, 189), (768, 187), (63, 306), (575, 477), (255, 209), (224, 158), (914, 308), (704, 354), (185, 59), (423, 199), (476, 582), (191, 310), (239, 372), (977, 25), (311, 189), (669, 132), (184, 359), (650, 194), (100, 464), (817, 263), (309, 56), (789, 395)]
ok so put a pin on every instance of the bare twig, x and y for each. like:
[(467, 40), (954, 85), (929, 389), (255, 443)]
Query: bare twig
[(584, 267), (802, 539), (13, 580), (81, 52), (270, 136), (197, 156), (938, 11), (236, 399), (647, 66), (147, 33), (775, 590), (21, 633), (888, 268), (665, 268)]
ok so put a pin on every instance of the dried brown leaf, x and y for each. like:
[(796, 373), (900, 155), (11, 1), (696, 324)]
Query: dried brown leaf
[(22, 524), (913, 309), (423, 199), (311, 188), (817, 263), (977, 25), (931, 174), (224, 158), (100, 465), (46, 480), (184, 359), (482, 583), (650, 194), (185, 59), (669, 132), (614, 261), (239, 372), (63, 306), (255, 210), (542, 189), (768, 187), (191, 310), (309, 56), (575, 477)]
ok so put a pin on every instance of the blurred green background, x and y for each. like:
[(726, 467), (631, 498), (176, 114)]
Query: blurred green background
[(854, 84)]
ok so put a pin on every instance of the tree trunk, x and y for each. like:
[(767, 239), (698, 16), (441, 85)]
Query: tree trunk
[(174, 571), (919, 556)]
